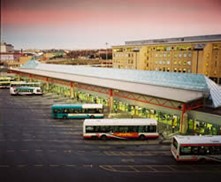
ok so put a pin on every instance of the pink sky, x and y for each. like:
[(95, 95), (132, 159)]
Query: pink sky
[(85, 24)]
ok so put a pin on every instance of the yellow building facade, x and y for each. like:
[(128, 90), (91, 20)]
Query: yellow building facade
[(200, 54)]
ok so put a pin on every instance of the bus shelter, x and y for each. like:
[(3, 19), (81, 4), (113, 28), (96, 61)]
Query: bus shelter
[(168, 97)]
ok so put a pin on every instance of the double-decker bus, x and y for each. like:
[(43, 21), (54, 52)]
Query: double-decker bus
[(80, 111), (5, 81), (25, 88), (138, 128), (195, 148)]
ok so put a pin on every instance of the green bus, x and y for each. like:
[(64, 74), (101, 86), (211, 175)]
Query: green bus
[(79, 111)]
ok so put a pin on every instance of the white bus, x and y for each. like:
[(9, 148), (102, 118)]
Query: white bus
[(120, 129), (23, 88), (194, 148), (5, 81)]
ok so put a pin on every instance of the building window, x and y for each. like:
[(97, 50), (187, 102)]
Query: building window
[(189, 62), (215, 63)]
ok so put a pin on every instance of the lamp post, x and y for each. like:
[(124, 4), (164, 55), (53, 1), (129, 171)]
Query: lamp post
[(106, 51)]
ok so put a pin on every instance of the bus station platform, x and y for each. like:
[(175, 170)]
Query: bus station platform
[(176, 100)]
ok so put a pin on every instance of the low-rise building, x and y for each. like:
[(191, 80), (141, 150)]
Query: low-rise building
[(6, 48)]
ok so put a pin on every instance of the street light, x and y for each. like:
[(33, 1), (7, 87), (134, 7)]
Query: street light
[(106, 51)]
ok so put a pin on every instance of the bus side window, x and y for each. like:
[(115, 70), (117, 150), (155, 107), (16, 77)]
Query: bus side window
[(131, 128), (202, 150), (141, 129), (57, 111), (185, 150), (151, 128), (194, 150), (89, 129), (215, 150), (96, 128), (115, 128), (91, 110)]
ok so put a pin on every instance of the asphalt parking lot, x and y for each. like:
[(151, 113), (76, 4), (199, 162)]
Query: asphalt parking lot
[(35, 147)]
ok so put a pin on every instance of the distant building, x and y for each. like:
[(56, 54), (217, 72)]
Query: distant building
[(196, 54), (6, 48), (7, 53)]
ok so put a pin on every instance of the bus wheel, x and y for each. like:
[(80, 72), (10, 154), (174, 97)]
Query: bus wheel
[(103, 137), (142, 137), (92, 116), (64, 117)]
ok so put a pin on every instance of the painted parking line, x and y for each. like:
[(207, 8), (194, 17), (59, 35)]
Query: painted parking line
[(47, 165), (161, 168), (4, 166), (137, 153)]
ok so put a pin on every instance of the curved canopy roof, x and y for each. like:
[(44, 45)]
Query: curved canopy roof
[(171, 83)]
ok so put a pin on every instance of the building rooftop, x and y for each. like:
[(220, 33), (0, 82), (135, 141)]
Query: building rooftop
[(155, 83), (201, 38)]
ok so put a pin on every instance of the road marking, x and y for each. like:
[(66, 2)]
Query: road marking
[(4, 166), (127, 160), (24, 150), (10, 150), (52, 150), (54, 165), (137, 153), (88, 165), (22, 165), (70, 165), (160, 168), (67, 151), (38, 165), (38, 150)]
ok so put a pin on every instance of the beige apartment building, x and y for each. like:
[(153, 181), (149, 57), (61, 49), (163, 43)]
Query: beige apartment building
[(197, 54)]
